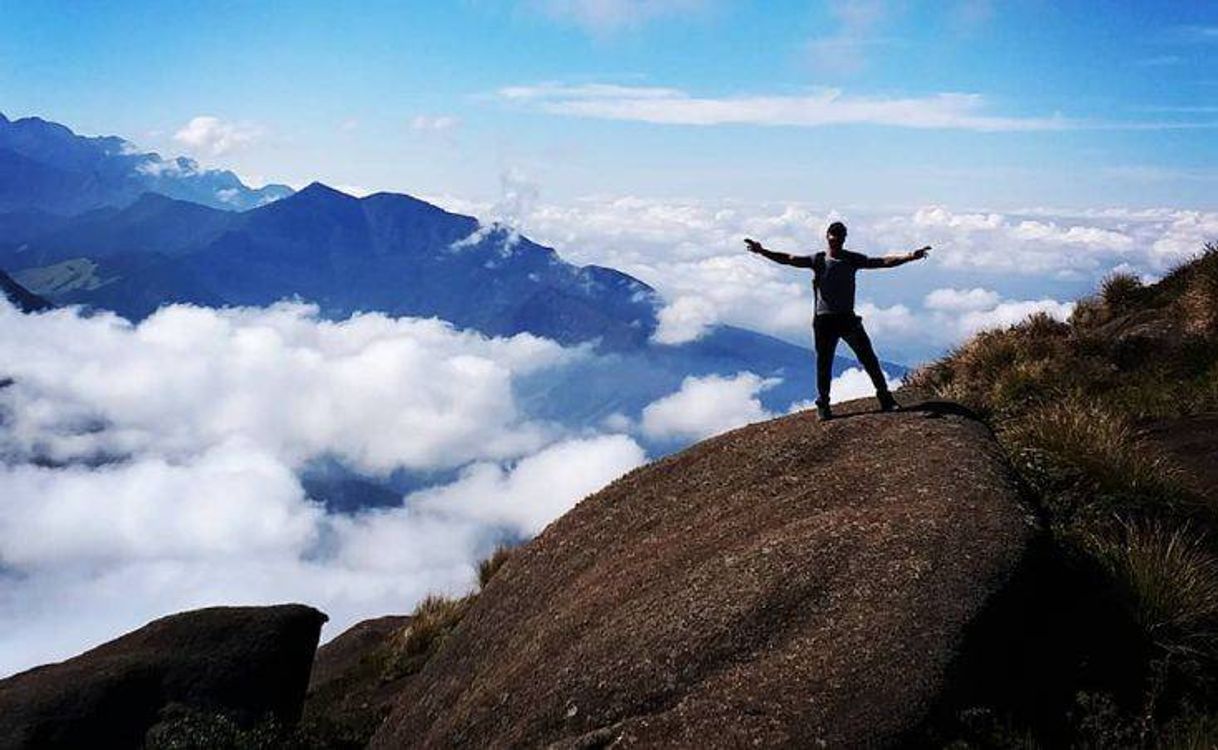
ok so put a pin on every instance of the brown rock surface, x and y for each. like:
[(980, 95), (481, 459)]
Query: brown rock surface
[(787, 584), (348, 650), (350, 692), (245, 661), (1191, 442)]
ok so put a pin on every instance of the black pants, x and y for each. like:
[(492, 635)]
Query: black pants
[(827, 329)]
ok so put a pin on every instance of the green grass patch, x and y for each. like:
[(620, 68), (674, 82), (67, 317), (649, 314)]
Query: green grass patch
[(1067, 401)]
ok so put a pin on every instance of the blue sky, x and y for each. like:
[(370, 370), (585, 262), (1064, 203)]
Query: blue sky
[(1065, 104)]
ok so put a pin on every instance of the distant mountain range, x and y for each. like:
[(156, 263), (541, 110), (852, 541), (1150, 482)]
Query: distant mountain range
[(45, 167), (385, 252)]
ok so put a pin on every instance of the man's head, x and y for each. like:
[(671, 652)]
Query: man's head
[(836, 235)]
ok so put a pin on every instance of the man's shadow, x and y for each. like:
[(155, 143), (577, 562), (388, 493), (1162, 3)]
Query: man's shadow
[(930, 409)]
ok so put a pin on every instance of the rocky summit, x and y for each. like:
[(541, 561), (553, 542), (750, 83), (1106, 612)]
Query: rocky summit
[(789, 583)]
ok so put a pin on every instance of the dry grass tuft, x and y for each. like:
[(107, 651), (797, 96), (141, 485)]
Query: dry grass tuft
[(430, 625), (1089, 312), (1001, 370), (1121, 292), (1169, 580), (1190, 732), (491, 565), (1199, 301), (1100, 448)]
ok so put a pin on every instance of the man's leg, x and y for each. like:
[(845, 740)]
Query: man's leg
[(825, 334), (858, 340)]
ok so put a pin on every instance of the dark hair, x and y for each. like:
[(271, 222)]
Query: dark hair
[(837, 229)]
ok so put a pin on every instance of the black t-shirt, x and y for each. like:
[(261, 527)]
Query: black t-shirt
[(833, 280)]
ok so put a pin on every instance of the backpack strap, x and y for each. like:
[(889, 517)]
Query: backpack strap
[(818, 267)]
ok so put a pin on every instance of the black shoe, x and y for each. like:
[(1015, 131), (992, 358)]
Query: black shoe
[(887, 402), (823, 411)]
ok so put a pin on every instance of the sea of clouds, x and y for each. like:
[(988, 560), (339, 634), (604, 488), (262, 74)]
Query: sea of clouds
[(154, 467), (151, 468)]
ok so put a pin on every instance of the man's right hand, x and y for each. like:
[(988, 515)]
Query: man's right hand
[(753, 246)]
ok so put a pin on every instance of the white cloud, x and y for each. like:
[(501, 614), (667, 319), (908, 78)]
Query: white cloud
[(1187, 233), (537, 490), (1003, 242), (940, 216), (434, 123), (554, 90), (961, 299), (845, 51), (896, 320), (1086, 236), (232, 499), (150, 468), (855, 383), (604, 16), (180, 167), (518, 194), (210, 135), (706, 406), (684, 319), (1011, 312), (818, 108), (378, 392), (522, 498)]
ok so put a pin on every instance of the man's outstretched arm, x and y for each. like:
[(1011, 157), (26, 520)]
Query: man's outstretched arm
[(892, 261), (799, 261)]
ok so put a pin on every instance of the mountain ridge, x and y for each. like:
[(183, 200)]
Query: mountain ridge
[(399, 255), (44, 165)]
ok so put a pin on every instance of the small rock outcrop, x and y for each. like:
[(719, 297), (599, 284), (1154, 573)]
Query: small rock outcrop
[(350, 649), (786, 584), (351, 690), (22, 298), (245, 662)]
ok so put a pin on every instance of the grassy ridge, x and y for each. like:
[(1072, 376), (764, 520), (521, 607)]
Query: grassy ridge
[(1067, 401)]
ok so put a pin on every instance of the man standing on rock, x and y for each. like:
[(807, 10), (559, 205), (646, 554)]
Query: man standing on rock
[(833, 286)]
